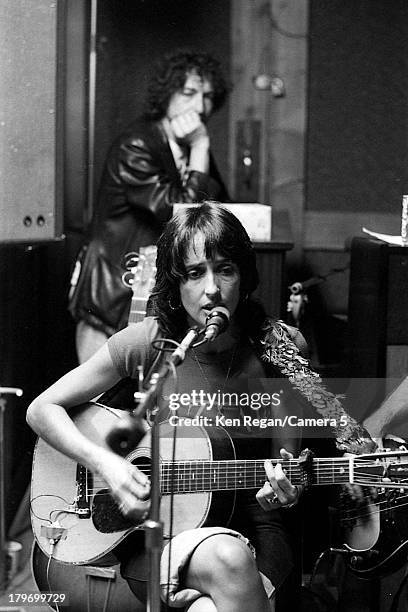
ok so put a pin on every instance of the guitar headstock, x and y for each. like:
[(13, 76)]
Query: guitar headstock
[(140, 277), (387, 470)]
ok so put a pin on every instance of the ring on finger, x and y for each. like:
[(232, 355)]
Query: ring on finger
[(273, 500), (294, 502)]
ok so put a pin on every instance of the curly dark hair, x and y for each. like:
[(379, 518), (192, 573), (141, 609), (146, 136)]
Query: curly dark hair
[(224, 235), (170, 75)]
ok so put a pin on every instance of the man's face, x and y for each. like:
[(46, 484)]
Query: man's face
[(196, 95)]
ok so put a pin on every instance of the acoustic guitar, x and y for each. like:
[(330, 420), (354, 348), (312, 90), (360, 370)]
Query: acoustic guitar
[(139, 276), (199, 481), (91, 524), (377, 533), (91, 587)]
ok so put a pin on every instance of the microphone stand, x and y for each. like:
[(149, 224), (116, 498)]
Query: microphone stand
[(153, 525), (3, 543)]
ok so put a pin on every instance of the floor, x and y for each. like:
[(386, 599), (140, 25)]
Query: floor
[(23, 581)]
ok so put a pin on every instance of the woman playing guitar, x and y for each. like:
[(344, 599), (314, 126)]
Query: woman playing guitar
[(206, 261)]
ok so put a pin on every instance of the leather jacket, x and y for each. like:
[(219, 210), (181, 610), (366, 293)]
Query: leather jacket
[(139, 185)]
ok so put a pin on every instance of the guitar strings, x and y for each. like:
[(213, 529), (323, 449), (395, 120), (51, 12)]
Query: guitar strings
[(233, 463), (211, 473), (206, 489), (205, 470), (230, 466), (209, 483), (208, 473), (364, 515), (353, 513)]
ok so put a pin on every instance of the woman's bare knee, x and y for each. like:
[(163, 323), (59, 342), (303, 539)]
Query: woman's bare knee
[(223, 568), (233, 555), (202, 604), (223, 559)]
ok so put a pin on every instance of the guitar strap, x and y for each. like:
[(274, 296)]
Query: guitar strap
[(278, 349)]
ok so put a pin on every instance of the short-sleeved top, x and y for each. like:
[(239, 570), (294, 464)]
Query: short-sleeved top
[(237, 370), (229, 383)]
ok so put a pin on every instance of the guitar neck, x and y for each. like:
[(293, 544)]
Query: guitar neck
[(142, 269), (137, 309), (193, 476)]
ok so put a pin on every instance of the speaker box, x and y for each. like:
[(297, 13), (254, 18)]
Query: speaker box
[(30, 120), (378, 309)]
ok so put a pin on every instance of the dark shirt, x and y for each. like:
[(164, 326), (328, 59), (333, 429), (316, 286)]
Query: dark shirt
[(234, 370), (139, 185)]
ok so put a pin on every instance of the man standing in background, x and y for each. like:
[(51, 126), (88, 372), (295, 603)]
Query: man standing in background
[(162, 158)]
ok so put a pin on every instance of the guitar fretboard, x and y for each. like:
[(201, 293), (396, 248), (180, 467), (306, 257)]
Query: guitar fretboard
[(195, 476), (137, 309)]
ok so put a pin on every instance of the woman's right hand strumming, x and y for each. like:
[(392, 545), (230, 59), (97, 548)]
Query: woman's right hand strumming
[(129, 487)]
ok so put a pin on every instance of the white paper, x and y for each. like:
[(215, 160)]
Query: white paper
[(396, 240)]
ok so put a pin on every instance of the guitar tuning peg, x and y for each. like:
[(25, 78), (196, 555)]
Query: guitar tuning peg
[(128, 278), (139, 396), (130, 260)]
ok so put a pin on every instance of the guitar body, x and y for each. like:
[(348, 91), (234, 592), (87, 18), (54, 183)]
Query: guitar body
[(198, 479), (90, 519), (363, 531), (379, 538), (380, 543)]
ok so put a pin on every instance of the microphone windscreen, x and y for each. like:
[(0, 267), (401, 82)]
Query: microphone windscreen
[(216, 322), (126, 435)]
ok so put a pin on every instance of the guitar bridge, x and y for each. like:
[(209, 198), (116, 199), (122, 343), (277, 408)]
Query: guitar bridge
[(84, 485)]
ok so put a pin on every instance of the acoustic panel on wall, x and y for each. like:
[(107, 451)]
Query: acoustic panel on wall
[(30, 120), (378, 310), (357, 152), (378, 320)]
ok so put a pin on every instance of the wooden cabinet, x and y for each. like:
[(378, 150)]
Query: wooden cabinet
[(270, 257)]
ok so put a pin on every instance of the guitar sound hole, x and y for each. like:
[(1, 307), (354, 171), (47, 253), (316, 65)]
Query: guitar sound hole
[(144, 465), (106, 516)]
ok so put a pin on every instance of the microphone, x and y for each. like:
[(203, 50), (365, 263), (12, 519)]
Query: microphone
[(216, 323), (179, 354), (126, 435)]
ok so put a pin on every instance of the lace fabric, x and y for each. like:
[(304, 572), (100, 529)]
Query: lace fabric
[(279, 349)]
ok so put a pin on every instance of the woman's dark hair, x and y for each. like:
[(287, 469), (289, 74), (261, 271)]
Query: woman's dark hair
[(170, 76), (223, 234)]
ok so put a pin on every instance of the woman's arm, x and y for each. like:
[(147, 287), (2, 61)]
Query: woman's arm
[(150, 185), (48, 417), (392, 416)]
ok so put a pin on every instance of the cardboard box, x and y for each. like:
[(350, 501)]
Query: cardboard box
[(256, 218)]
